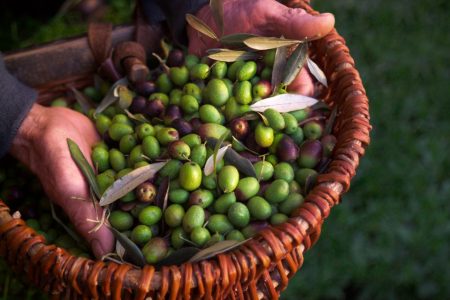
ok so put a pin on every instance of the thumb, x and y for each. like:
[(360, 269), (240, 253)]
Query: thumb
[(101, 241), (296, 23)]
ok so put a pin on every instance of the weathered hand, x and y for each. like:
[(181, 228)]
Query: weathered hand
[(266, 18), (41, 145)]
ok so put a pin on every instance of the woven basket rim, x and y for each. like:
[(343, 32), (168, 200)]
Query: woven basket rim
[(273, 248)]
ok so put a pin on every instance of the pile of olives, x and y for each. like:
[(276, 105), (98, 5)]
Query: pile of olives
[(183, 104)]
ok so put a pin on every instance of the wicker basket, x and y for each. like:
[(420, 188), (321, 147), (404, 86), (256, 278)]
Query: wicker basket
[(259, 269)]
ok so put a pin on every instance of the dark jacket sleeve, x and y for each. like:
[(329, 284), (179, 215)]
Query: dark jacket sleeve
[(173, 12), (16, 100)]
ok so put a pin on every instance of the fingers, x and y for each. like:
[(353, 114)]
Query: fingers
[(303, 84), (83, 215), (295, 23)]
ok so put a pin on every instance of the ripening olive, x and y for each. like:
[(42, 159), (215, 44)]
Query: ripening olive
[(190, 176)]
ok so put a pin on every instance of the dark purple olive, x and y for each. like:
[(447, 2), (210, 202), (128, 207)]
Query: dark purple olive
[(154, 108), (310, 153), (175, 58), (145, 88), (182, 126), (127, 206), (263, 185), (138, 105), (172, 113), (287, 150), (239, 128), (250, 156), (250, 142), (108, 140), (328, 142), (195, 123)]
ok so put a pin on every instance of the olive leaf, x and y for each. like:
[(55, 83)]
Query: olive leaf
[(330, 122), (266, 43), (165, 47), (201, 26), (236, 39), (136, 117), (84, 166), (163, 194), (284, 103), (316, 72), (120, 250), (217, 11), (63, 225), (295, 63), (214, 159), (217, 248), (278, 66), (129, 182), (84, 102), (132, 252), (162, 62), (233, 55), (179, 256), (241, 163), (255, 115), (111, 96)]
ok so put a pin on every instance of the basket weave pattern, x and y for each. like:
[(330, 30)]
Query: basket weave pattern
[(260, 268)]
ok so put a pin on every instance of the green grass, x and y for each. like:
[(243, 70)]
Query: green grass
[(390, 237)]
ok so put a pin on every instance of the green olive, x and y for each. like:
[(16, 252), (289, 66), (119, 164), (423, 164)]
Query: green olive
[(167, 135), (243, 92), (219, 223), (277, 219), (194, 217), (141, 234), (234, 67), (150, 215), (228, 179), (171, 169), (235, 235), (219, 69), (155, 250), (136, 155), (175, 97), (198, 155), (192, 140), (117, 160), (144, 130), (193, 90), (264, 135), (217, 92), (276, 120), (127, 143), (277, 191), (100, 158), (179, 75), (164, 84), (178, 237), (291, 123), (247, 188), (102, 123), (160, 96), (121, 220), (223, 203), (173, 215), (284, 170), (189, 104), (210, 114), (118, 130), (150, 147), (239, 215), (190, 176), (199, 72), (269, 57), (247, 71), (178, 196), (201, 197), (191, 60), (259, 208), (200, 236), (292, 202)]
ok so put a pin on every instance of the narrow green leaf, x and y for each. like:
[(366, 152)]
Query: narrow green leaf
[(129, 182), (330, 122), (235, 159), (132, 252), (201, 26), (84, 166), (266, 43), (233, 55), (217, 11), (214, 159), (295, 63), (284, 103), (136, 117), (278, 66), (236, 39), (111, 96), (69, 231), (217, 248), (84, 102), (317, 72), (179, 256)]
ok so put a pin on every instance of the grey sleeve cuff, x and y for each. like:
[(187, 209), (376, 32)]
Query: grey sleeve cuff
[(16, 100)]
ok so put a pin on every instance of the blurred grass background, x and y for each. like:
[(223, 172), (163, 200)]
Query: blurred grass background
[(390, 237)]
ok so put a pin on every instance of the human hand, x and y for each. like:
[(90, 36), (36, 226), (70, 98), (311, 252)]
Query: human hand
[(266, 18), (41, 144)]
